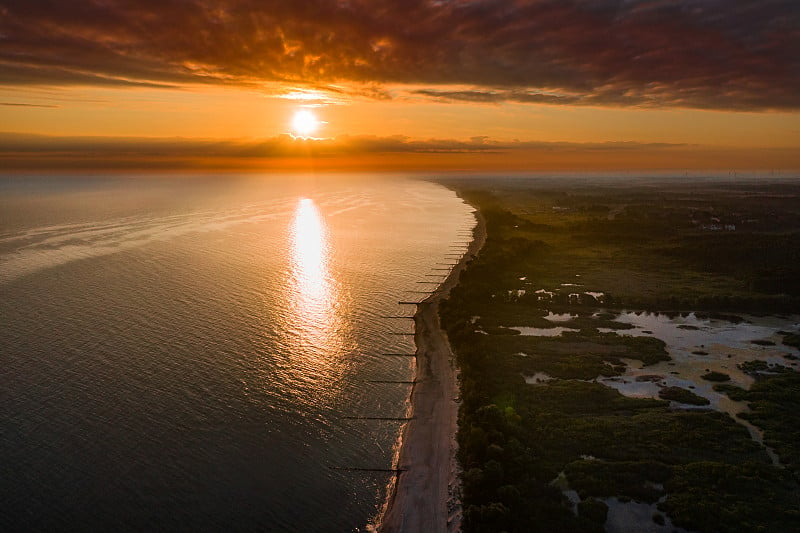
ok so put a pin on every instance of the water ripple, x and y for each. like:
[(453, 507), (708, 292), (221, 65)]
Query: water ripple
[(188, 365)]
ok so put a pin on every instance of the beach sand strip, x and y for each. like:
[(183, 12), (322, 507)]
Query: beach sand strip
[(425, 496)]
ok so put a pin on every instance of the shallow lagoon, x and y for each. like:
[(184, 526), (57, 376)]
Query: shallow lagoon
[(628, 516), (699, 345)]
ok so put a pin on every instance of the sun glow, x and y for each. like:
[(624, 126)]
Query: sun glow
[(304, 123)]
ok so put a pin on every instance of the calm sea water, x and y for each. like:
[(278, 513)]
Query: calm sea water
[(179, 353)]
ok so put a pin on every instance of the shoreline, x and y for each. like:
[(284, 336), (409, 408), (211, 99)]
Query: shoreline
[(424, 496)]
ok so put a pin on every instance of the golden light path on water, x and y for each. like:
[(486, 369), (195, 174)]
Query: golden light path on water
[(314, 319), (310, 251)]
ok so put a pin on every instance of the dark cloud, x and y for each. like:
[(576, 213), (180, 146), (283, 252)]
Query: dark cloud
[(720, 54), (498, 96)]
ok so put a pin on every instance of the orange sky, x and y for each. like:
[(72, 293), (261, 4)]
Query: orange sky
[(536, 85)]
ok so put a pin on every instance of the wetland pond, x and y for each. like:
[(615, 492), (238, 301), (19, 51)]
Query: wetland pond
[(698, 346), (716, 347)]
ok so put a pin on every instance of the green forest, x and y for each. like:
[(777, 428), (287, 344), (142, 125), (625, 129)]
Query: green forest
[(714, 248)]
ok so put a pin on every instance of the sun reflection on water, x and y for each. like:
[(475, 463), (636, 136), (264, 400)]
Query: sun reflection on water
[(314, 305), (309, 249)]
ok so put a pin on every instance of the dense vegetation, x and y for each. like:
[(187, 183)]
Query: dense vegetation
[(691, 246), (520, 442), (774, 401), (682, 395)]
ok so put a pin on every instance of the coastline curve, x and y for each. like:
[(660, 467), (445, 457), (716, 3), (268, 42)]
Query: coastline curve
[(425, 494)]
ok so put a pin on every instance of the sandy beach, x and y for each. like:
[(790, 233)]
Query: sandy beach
[(424, 497)]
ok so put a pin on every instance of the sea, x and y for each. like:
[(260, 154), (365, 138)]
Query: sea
[(209, 352)]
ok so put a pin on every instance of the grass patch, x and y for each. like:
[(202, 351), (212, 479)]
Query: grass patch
[(680, 395), (792, 339), (715, 376)]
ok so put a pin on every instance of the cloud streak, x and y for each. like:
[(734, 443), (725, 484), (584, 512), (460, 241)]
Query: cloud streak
[(289, 146), (25, 104), (284, 152), (710, 54)]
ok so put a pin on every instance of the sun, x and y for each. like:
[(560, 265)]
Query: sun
[(304, 123)]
